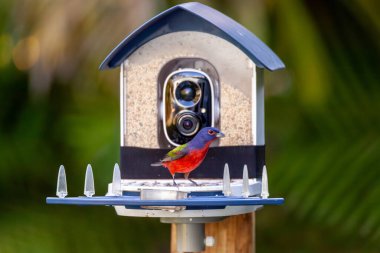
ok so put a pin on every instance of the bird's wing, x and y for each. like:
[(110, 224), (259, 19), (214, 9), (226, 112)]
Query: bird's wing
[(176, 153)]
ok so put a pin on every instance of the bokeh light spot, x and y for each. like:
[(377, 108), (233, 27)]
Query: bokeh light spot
[(26, 53)]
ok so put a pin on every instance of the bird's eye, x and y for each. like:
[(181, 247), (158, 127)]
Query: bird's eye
[(210, 132)]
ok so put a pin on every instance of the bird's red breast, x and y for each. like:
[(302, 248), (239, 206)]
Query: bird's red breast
[(189, 162)]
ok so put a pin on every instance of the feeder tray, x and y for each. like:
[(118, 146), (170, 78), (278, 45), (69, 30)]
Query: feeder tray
[(211, 198)]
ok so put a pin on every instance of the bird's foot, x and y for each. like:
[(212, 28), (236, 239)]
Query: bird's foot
[(195, 183), (175, 184)]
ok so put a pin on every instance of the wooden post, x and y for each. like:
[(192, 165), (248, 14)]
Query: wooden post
[(235, 234)]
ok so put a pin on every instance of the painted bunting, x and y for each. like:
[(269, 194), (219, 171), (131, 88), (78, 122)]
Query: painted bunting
[(187, 157)]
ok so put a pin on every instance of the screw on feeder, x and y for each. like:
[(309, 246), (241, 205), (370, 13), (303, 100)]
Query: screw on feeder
[(61, 183), (116, 181), (226, 181), (245, 191), (89, 188), (210, 241), (264, 184)]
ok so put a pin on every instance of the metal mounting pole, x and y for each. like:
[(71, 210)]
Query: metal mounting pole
[(190, 237), (190, 233)]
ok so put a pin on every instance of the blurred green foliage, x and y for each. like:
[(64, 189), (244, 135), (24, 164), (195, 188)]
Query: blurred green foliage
[(322, 122)]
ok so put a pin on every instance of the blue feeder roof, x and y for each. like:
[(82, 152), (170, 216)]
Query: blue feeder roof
[(200, 18)]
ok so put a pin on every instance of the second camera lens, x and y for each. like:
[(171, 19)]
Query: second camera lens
[(187, 123)]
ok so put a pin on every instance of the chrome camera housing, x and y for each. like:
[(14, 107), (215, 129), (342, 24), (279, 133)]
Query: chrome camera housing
[(187, 105)]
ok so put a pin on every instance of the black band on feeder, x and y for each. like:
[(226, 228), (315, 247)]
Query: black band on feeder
[(136, 162)]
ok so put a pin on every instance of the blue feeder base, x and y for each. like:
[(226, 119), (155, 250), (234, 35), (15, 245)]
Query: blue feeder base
[(136, 202)]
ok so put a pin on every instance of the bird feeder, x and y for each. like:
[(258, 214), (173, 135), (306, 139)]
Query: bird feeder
[(188, 68)]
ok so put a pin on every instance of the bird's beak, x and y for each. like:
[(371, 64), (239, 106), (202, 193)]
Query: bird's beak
[(220, 135)]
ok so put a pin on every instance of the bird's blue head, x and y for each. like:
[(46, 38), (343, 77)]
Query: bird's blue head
[(206, 135)]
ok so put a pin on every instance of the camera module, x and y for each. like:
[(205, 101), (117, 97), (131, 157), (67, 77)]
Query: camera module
[(188, 91)]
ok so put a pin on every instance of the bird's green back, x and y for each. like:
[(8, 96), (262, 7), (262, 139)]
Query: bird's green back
[(176, 153)]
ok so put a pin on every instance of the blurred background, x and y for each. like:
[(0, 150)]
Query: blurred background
[(322, 123)]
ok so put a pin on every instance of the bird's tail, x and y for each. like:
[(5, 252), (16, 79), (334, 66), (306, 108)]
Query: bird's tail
[(156, 164)]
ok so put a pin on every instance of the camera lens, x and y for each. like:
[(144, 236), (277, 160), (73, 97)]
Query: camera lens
[(188, 93), (187, 123)]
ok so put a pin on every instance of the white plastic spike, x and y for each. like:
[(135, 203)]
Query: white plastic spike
[(264, 184), (245, 191), (61, 183), (226, 181), (116, 181), (89, 188)]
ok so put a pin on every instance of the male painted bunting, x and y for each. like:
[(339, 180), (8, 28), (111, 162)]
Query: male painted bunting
[(187, 157)]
